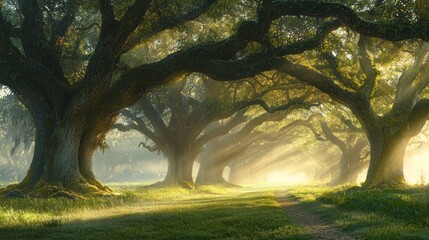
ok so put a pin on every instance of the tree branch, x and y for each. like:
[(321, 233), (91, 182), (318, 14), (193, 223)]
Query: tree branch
[(395, 31), (219, 131), (367, 67), (154, 148), (405, 89), (213, 60), (164, 24), (154, 117), (332, 138), (125, 128), (108, 20), (418, 117), (333, 65), (318, 80), (60, 29), (36, 45)]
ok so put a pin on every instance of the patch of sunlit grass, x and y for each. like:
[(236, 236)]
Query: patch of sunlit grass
[(371, 214), (212, 212)]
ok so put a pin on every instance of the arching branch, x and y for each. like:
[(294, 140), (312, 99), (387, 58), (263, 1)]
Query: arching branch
[(418, 117), (219, 131), (273, 9), (332, 138), (213, 60), (367, 66), (163, 24)]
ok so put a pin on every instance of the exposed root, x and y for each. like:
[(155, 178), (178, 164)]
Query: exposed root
[(45, 189), (14, 194), (100, 186), (14, 191), (385, 184)]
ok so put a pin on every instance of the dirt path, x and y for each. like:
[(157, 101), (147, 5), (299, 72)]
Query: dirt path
[(313, 224)]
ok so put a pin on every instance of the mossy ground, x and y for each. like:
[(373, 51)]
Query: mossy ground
[(210, 212)]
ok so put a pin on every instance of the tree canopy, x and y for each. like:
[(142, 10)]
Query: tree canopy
[(76, 64)]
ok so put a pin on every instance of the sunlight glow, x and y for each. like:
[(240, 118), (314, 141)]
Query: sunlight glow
[(287, 177), (416, 168)]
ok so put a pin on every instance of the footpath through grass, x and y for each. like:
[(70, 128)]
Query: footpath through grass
[(371, 214), (141, 213)]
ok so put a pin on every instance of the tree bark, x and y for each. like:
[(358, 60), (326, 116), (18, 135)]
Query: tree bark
[(387, 160), (211, 172), (350, 166), (179, 173), (62, 160)]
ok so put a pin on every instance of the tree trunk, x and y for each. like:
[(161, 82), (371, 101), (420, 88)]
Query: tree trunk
[(62, 160), (350, 166), (387, 160), (342, 176), (44, 130), (239, 173), (211, 172), (388, 137), (179, 172), (355, 170), (91, 140)]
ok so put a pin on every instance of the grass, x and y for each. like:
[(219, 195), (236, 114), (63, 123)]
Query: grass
[(143, 213), (216, 212), (371, 214)]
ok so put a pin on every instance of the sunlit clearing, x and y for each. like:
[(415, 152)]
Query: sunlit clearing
[(287, 178), (416, 169), (280, 166)]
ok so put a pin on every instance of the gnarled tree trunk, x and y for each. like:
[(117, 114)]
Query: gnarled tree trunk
[(62, 160), (350, 166), (179, 173), (211, 172), (387, 161)]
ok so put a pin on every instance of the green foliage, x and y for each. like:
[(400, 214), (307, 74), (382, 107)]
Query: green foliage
[(400, 10)]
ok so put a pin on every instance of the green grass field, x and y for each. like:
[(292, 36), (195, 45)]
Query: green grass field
[(216, 213), (139, 213), (371, 214)]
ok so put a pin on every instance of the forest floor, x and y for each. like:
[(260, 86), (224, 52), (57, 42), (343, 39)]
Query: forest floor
[(216, 212), (142, 213), (379, 214), (313, 224)]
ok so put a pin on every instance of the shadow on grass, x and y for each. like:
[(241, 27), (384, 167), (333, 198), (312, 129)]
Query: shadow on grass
[(246, 217), (373, 214), (410, 205)]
